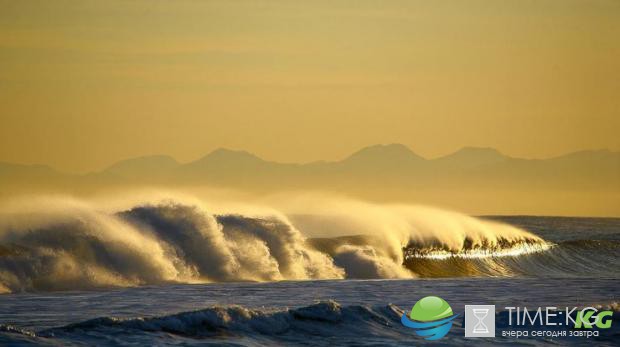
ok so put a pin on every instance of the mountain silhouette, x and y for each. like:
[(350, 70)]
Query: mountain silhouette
[(392, 154), (471, 176), (473, 157), (137, 167)]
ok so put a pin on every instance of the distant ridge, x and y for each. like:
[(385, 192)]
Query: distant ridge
[(225, 154), (388, 153), (138, 165), (387, 156), (391, 172), (471, 157), (394, 155)]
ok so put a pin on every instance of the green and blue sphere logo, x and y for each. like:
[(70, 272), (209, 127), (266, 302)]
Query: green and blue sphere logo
[(431, 317)]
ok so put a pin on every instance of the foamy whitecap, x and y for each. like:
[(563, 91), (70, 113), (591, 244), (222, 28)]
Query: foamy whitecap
[(60, 244), (518, 249)]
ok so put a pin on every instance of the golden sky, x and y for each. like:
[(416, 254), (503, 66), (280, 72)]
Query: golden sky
[(85, 83)]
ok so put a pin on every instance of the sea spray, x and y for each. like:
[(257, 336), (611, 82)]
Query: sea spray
[(60, 243)]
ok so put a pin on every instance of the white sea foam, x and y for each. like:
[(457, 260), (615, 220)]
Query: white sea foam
[(62, 243)]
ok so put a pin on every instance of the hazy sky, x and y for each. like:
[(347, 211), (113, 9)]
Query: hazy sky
[(85, 83)]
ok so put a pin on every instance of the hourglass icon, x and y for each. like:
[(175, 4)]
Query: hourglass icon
[(479, 320), (480, 314)]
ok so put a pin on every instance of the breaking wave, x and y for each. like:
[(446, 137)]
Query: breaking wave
[(65, 244)]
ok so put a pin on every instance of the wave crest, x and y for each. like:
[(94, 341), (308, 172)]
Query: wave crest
[(62, 244)]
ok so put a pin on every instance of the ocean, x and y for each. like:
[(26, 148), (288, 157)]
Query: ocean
[(580, 267)]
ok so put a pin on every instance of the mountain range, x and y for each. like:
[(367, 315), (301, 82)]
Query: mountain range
[(381, 172)]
